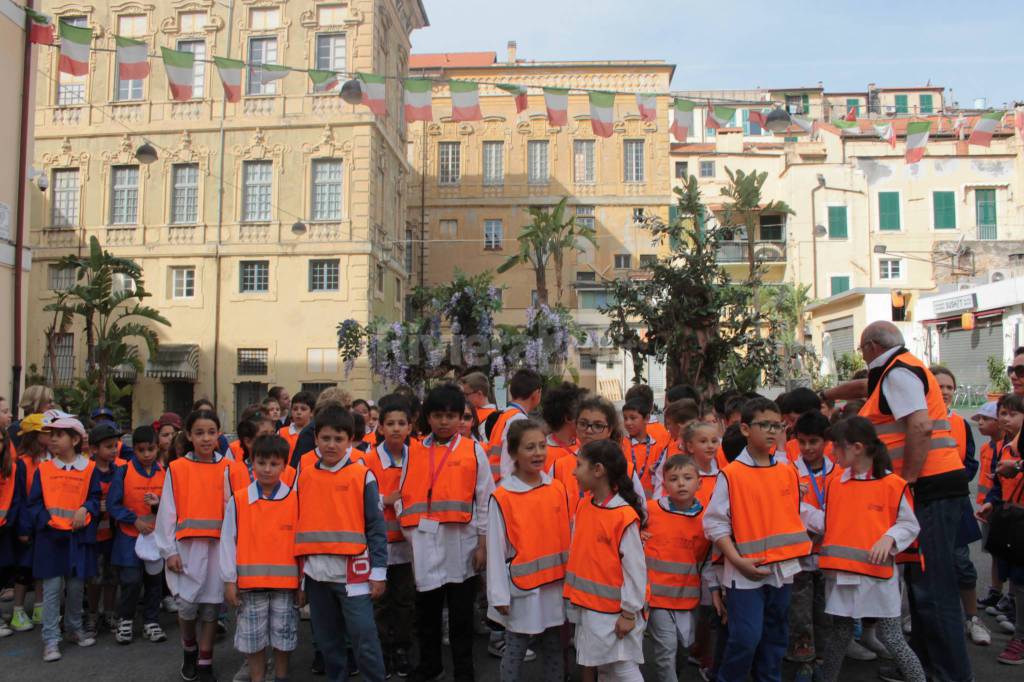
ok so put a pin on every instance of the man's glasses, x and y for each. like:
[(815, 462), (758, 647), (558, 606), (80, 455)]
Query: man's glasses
[(1016, 370), (770, 427), (590, 427)]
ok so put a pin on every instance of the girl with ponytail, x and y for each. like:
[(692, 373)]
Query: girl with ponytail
[(606, 578)]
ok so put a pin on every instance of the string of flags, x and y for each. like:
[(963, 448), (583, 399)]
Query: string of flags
[(369, 90)]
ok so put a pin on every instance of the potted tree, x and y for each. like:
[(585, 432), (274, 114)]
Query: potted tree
[(1000, 382)]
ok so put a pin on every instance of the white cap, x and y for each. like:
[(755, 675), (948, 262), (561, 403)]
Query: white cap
[(988, 410)]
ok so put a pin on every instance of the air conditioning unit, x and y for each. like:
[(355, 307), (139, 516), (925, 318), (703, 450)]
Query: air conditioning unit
[(999, 276)]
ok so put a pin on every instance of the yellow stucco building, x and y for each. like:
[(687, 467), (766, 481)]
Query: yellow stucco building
[(262, 224)]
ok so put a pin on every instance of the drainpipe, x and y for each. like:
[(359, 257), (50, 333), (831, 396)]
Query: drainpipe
[(220, 219), (814, 239)]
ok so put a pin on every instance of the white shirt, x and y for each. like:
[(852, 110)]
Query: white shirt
[(229, 529), (79, 463), (398, 552), (901, 387), (718, 524)]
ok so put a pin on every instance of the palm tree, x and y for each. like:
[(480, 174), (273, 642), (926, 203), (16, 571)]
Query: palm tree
[(545, 240)]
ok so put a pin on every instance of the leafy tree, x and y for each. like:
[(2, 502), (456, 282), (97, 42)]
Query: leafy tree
[(545, 240), (789, 303)]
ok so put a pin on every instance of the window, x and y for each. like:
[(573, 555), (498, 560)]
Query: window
[(494, 163), (254, 276), (183, 282), (185, 194), (585, 216), (648, 260), (330, 15), (838, 284), (623, 261), (60, 279), (409, 253), (889, 210), (253, 361), (264, 18), (586, 276), (130, 26), (64, 354), (493, 234), (889, 268), (985, 210), (925, 105), (380, 278), (330, 53), (592, 300), (124, 195), (261, 51), (449, 163), (324, 275), (449, 228), (321, 360), (256, 190), (398, 289), (901, 104), (944, 210), (198, 48), (537, 162), (247, 393), (772, 227), (71, 89), (707, 169), (327, 189), (178, 396), (796, 104), (191, 22), (852, 103), (64, 210), (317, 387), (682, 170), (583, 161), (633, 153), (837, 225), (588, 362)]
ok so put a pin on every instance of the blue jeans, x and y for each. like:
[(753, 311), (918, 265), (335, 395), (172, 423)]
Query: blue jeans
[(758, 633), (936, 614), (334, 614), (135, 582), (53, 590)]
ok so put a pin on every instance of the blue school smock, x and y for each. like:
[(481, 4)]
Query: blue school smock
[(60, 553), (123, 553), (9, 555), (23, 551)]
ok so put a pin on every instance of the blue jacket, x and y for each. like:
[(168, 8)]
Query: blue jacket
[(9, 532), (123, 553), (58, 552)]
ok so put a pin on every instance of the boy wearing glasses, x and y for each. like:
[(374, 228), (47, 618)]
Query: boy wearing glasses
[(477, 389), (753, 519)]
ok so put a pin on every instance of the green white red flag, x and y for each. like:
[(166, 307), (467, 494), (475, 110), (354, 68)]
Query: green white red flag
[(418, 97), (886, 134), (719, 117), (75, 42), (647, 103), (465, 101), (805, 124), (180, 67), (519, 93), (682, 118), (556, 101), (230, 71), (132, 59), (844, 124), (374, 90), (851, 115), (983, 129), (265, 74), (40, 28), (323, 81), (602, 113), (917, 139)]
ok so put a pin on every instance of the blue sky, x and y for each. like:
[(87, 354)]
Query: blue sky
[(975, 48)]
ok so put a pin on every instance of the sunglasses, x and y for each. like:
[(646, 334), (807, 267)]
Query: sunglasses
[(1016, 370)]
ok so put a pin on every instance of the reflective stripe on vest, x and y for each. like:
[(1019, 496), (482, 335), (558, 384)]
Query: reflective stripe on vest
[(265, 556), (541, 564), (274, 570), (935, 443), (199, 524), (771, 542), (308, 536), (65, 491), (900, 427), (590, 587), (438, 506), (198, 496), (675, 591), (332, 518), (673, 567)]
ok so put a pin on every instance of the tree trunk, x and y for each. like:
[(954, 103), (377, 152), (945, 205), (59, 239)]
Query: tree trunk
[(557, 256), (751, 225), (542, 285)]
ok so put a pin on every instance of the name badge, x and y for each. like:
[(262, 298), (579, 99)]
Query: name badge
[(428, 525), (790, 568)]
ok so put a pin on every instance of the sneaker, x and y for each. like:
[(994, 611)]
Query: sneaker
[(5, 631), (82, 638), (37, 614), (1007, 626), (189, 665), (859, 652), (89, 621), (870, 640), (991, 600), (170, 604), (400, 663), (20, 621), (51, 652), (318, 667), (243, 674), (1013, 654), (891, 673), (206, 673), (977, 632), (705, 674), (125, 630), (153, 632), (1003, 607)]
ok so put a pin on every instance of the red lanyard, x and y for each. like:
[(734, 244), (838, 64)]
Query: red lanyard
[(632, 454), (436, 472), (568, 447), (605, 503)]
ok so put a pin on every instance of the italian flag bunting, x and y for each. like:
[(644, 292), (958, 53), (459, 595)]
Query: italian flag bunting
[(602, 105), (851, 115), (465, 101), (265, 74), (40, 28), (718, 117), (74, 49), (845, 124), (682, 119), (805, 124), (917, 139), (374, 93), (758, 116), (983, 129), (418, 94), (519, 93), (886, 134), (180, 72), (323, 81), (556, 100), (132, 59), (648, 106), (230, 71)]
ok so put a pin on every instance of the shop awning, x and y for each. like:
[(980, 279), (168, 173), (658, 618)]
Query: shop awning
[(175, 362)]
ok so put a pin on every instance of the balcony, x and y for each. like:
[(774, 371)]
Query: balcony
[(739, 252)]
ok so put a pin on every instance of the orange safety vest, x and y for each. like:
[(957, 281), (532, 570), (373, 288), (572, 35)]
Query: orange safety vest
[(482, 413), (958, 427), (675, 553), (765, 506), (673, 448), (720, 459), (498, 437), (387, 483), (332, 519), (857, 513), (643, 458), (372, 461), (104, 530), (563, 473), (370, 438), (538, 558), (198, 497), (310, 459), (236, 450), (985, 474), (445, 494), (707, 487), (30, 471), (7, 494), (659, 433), (558, 450), (64, 492), (593, 577), (135, 488), (265, 542), (292, 438), (1010, 485), (943, 456)]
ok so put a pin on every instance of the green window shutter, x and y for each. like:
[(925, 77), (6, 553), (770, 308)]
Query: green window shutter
[(839, 284), (901, 104), (852, 104), (793, 138), (944, 210), (985, 210), (889, 210), (837, 228), (805, 101), (746, 122), (925, 104)]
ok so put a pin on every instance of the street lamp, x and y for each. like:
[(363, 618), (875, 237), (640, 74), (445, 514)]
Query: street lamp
[(146, 153), (352, 91), (298, 228)]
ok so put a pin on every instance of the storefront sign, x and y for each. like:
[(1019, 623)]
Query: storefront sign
[(954, 304)]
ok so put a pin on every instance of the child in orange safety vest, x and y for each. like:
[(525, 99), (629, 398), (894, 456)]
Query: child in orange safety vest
[(257, 560), (301, 413), (525, 568), (987, 419), (104, 443), (868, 518), (642, 451), (606, 577), (524, 389)]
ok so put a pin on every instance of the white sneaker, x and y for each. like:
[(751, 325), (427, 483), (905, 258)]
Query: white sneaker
[(51, 652), (153, 632), (5, 631), (977, 631), (870, 640), (1007, 626), (859, 652), (82, 639), (170, 604)]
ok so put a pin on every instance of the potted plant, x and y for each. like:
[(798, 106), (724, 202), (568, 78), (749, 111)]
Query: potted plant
[(1000, 382)]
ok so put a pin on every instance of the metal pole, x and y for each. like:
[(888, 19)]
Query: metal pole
[(423, 203), (814, 242), (220, 218)]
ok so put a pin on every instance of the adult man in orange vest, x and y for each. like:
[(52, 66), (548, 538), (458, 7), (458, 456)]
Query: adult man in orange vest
[(477, 389), (906, 407)]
